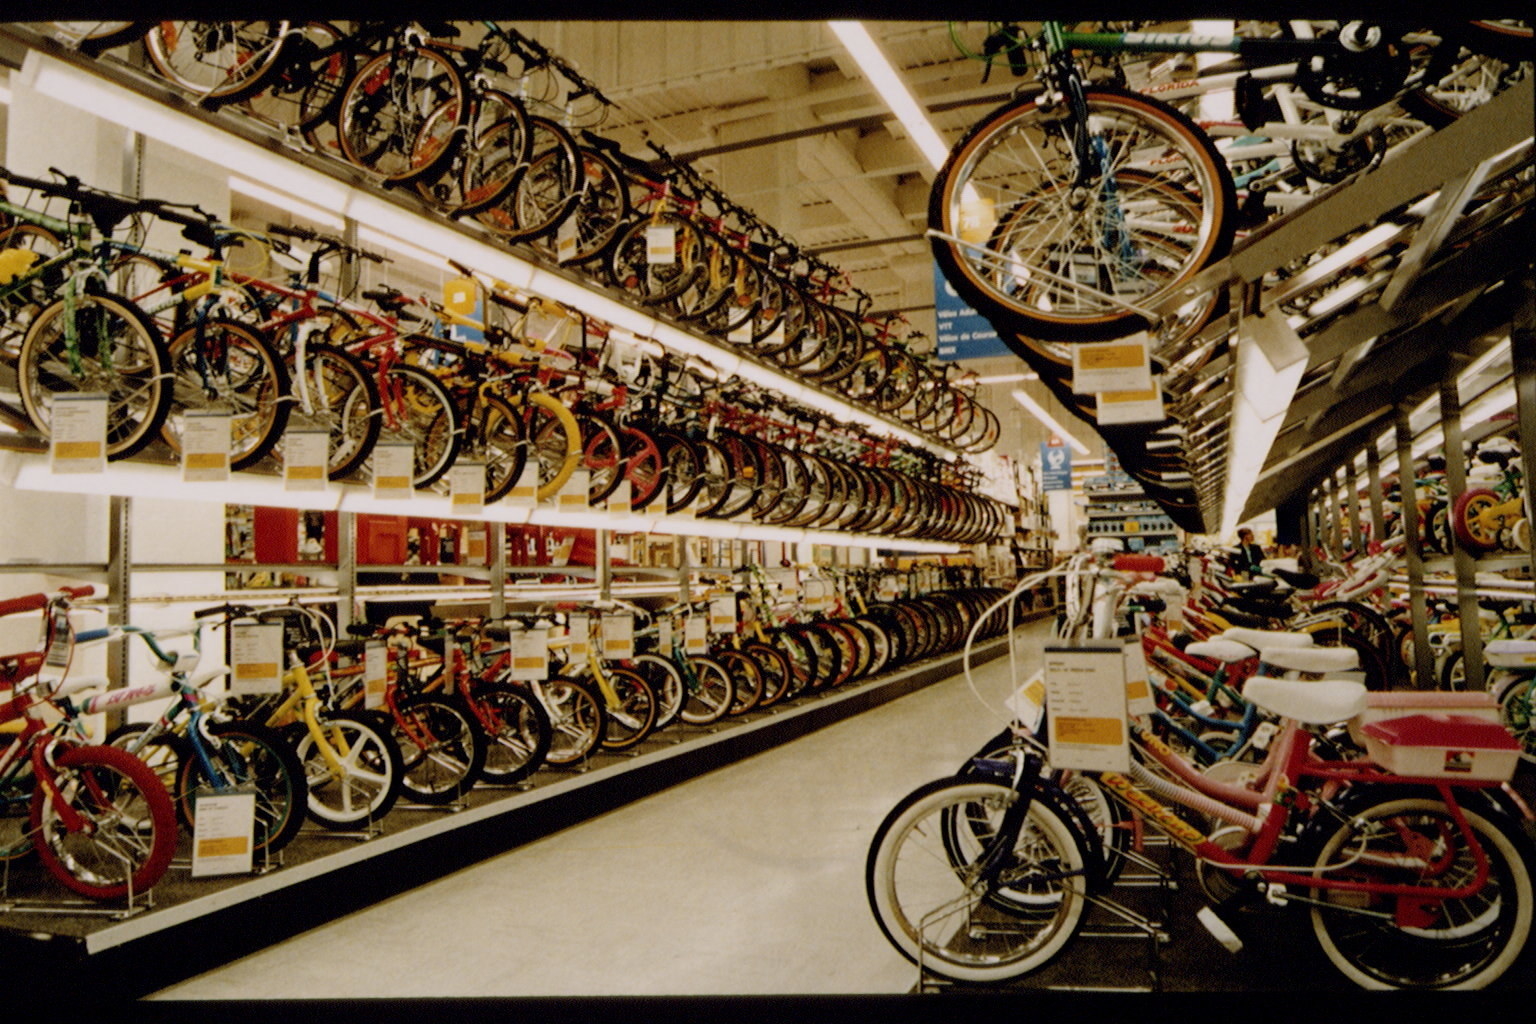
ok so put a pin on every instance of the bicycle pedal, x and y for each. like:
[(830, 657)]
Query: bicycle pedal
[(1219, 930)]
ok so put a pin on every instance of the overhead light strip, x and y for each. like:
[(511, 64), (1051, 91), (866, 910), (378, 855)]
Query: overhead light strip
[(1038, 411), (887, 82)]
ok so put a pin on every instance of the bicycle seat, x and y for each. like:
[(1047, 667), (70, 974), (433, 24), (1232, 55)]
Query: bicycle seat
[(1310, 703), (1299, 580), (1311, 659), (1261, 639), (1225, 651), (1510, 653)]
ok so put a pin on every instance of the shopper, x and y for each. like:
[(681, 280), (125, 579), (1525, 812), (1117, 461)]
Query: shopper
[(1249, 554)]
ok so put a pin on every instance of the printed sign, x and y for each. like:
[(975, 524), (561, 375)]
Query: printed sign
[(466, 487), (256, 657), (1028, 702), (660, 244), (696, 634), (1121, 365), (375, 673), (222, 834), (963, 333), (1144, 406), (1086, 690), (618, 633), (1138, 685), (580, 632), (621, 499), (306, 454), (525, 492), (394, 466), (664, 635), (722, 614), (78, 434), (530, 655), (205, 437), (1055, 467), (575, 492)]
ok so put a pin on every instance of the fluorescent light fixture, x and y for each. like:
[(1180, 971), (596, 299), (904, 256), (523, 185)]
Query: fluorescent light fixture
[(1007, 378), (887, 82), (1038, 411), (1271, 360), (1496, 352), (310, 212)]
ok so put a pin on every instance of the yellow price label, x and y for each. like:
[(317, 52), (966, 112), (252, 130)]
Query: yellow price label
[(1111, 357), (1097, 731), (223, 846)]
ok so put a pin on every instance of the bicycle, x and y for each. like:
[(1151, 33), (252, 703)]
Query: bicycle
[(99, 819), (1412, 879)]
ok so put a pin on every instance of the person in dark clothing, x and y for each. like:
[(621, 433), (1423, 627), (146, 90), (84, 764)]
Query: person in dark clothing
[(1249, 553)]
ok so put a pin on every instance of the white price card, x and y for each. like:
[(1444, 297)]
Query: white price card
[(466, 488), (565, 240), (580, 632), (1028, 702), (394, 466), (742, 334), (621, 500), (574, 492), (1145, 406), (661, 244), (1085, 690), (619, 552), (696, 634), (306, 456), (205, 437), (78, 434), (256, 657), (1121, 365), (619, 636), (722, 614), (525, 492), (664, 635), (375, 673), (1138, 684), (817, 598), (530, 655), (61, 640), (222, 834)]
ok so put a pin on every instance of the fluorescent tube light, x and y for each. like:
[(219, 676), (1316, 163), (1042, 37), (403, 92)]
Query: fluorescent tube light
[(1007, 378), (887, 82), (1038, 411)]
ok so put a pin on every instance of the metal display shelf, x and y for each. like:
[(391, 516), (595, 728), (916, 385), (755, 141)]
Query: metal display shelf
[(197, 925)]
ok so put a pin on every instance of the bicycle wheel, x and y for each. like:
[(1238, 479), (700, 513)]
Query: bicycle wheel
[(666, 683), (218, 61), (341, 398), (601, 209), (546, 192), (306, 86), (389, 102), (1471, 532), (1517, 710), (115, 352), (644, 467), (493, 163), (555, 440), (220, 365), (710, 691), (577, 717), (1381, 942), (364, 783), (500, 442), (633, 265), (949, 897), (1045, 253), (773, 666), (126, 831), (602, 454), (419, 411), (633, 718), (20, 304), (518, 733), (251, 759), (442, 749), (92, 38), (746, 679)]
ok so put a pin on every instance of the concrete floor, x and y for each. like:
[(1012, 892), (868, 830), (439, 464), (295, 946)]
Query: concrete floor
[(746, 881)]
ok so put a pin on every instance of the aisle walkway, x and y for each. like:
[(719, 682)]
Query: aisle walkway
[(747, 881)]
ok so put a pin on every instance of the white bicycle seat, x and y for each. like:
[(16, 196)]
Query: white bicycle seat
[(1310, 703)]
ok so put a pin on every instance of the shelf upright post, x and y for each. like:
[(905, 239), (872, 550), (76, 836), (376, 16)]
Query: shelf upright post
[(496, 545), (346, 569), (1352, 507), (1522, 352), (1423, 660), (1373, 481), (119, 576), (1335, 512), (604, 566), (1456, 483)]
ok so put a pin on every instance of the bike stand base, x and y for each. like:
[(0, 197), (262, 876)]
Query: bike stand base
[(453, 808)]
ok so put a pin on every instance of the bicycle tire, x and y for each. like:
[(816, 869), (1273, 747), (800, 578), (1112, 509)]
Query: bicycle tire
[(344, 401), (501, 444), (370, 781), (306, 84), (1459, 944), (132, 825), (220, 62), (247, 379), (1152, 130), (518, 733), (442, 749), (601, 210), (634, 718), (554, 439), (135, 375), (666, 681), (920, 866), (255, 759), (709, 697), (746, 679), (653, 282), (422, 413), (385, 108), (578, 720)]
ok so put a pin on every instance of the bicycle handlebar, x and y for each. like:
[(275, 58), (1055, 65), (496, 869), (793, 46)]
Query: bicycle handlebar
[(33, 602)]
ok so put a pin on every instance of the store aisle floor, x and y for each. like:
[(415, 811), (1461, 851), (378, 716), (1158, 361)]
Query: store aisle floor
[(746, 881)]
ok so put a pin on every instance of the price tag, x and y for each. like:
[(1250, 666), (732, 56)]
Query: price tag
[(222, 834), (1028, 702), (256, 657), (722, 614), (575, 492), (1122, 365), (78, 434), (565, 240), (664, 635), (205, 437), (61, 641), (741, 335), (525, 492), (619, 636), (394, 466), (375, 673), (530, 655), (622, 497), (661, 244), (696, 634), (466, 487), (817, 598), (1086, 691), (776, 339), (306, 455), (580, 632)]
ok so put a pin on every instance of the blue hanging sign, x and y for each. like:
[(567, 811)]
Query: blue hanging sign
[(1055, 467), (963, 333)]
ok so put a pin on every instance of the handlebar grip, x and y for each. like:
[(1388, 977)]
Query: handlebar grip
[(26, 603), (361, 629), (1138, 563), (89, 590), (291, 232), (222, 609)]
